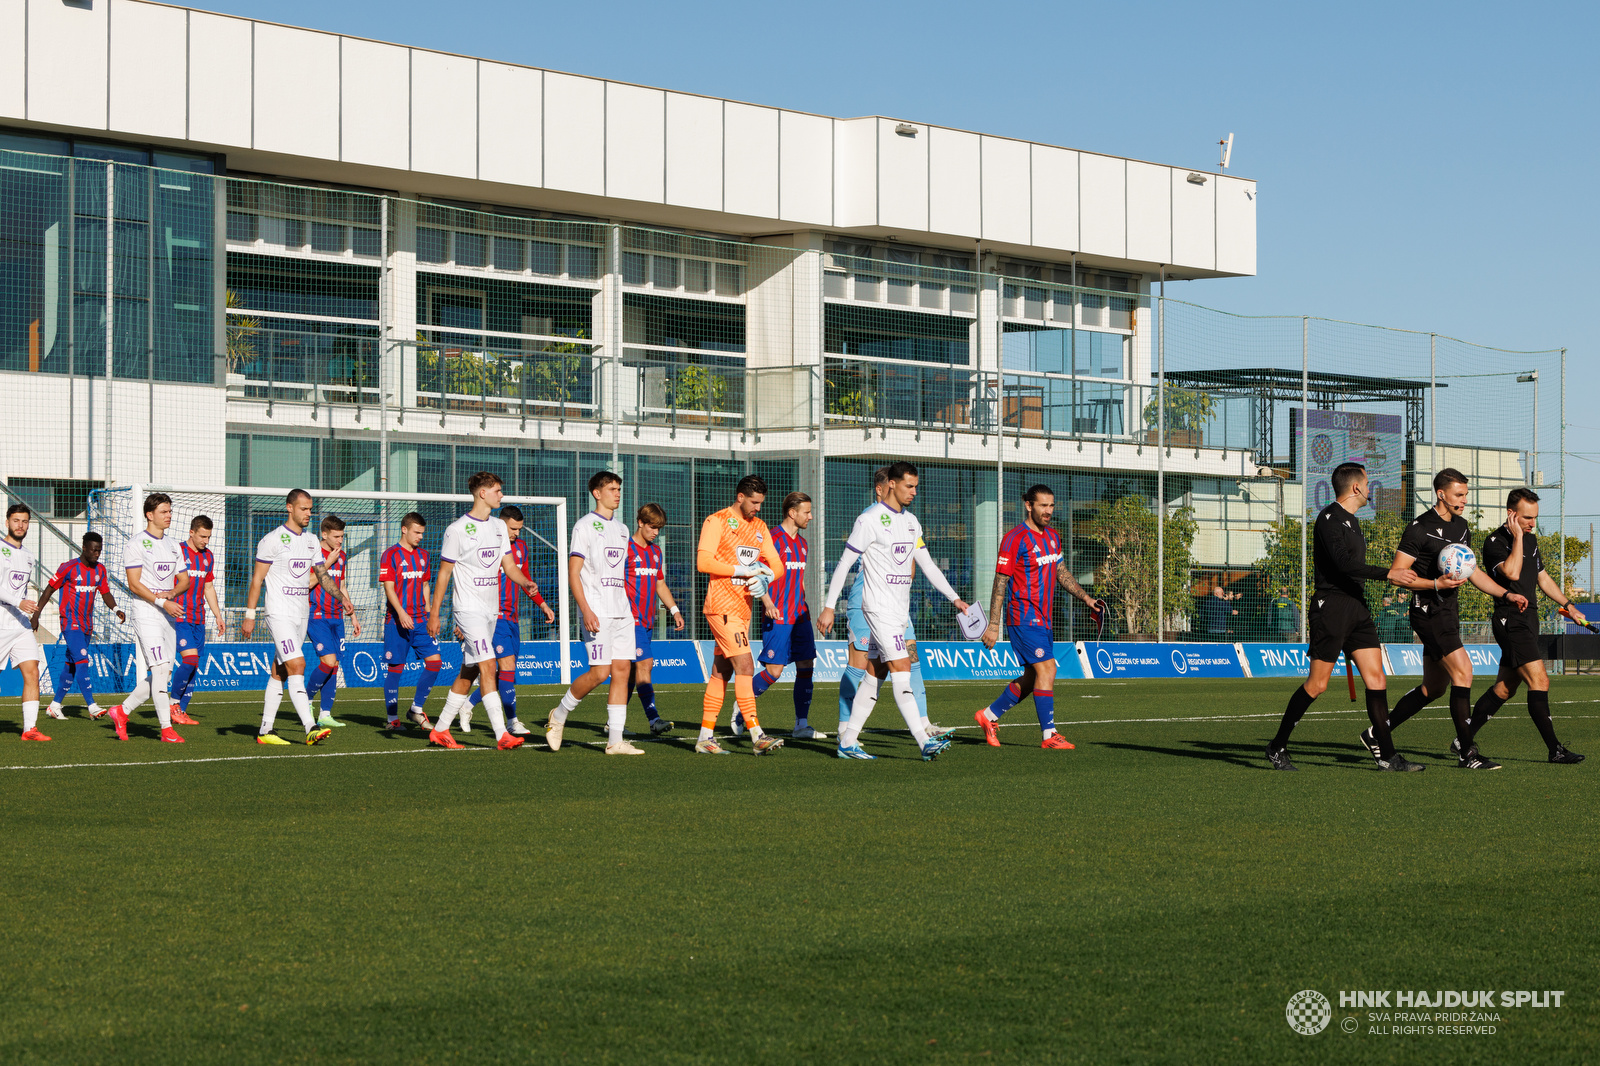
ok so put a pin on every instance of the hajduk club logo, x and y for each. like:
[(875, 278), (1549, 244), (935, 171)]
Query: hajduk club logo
[(1309, 1012)]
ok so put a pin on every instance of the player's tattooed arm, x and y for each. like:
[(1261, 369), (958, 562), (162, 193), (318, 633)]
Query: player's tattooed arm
[(321, 577), (1070, 583), (997, 600)]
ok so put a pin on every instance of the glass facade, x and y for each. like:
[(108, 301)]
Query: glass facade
[(77, 265)]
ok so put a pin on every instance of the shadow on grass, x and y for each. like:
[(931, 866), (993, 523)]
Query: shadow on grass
[(1250, 756)]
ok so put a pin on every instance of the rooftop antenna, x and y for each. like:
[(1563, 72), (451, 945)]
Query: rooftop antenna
[(1227, 150)]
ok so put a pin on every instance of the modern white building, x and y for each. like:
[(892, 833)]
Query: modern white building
[(344, 263)]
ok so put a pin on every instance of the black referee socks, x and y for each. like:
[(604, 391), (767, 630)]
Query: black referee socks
[(1378, 712), (1409, 705), (1298, 704), (1539, 711), (1483, 710), (1461, 712)]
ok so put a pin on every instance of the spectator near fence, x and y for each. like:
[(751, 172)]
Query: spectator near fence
[(1284, 617)]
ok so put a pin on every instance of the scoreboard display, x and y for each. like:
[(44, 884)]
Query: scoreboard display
[(1333, 437)]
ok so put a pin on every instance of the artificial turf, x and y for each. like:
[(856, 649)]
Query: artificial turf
[(1155, 895)]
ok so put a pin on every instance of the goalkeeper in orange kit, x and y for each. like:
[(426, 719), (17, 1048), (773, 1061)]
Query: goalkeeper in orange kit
[(736, 551)]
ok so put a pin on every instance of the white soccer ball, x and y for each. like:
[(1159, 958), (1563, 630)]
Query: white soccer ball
[(1457, 562)]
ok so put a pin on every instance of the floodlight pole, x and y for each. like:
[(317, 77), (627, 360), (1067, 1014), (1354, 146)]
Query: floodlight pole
[(1305, 487), (1563, 474), (1161, 456)]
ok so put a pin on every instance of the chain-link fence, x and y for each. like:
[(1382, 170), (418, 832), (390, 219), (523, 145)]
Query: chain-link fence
[(267, 334)]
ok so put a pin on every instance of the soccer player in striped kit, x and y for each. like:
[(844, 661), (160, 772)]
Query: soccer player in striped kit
[(81, 579), (647, 585), (786, 634), (191, 623), (17, 644), (403, 571), (325, 631), (508, 629), (1029, 566)]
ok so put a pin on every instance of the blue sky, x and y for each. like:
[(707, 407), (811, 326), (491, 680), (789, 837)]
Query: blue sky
[(1427, 166)]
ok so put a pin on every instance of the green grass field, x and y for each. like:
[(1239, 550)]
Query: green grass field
[(1156, 895)]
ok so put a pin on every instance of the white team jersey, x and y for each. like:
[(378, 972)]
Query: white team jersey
[(475, 546), (159, 561), (16, 564), (288, 581), (886, 539), (602, 544)]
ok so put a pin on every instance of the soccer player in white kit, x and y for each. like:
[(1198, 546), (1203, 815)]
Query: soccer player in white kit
[(17, 644), (475, 552), (156, 573), (887, 538), (289, 562), (597, 568)]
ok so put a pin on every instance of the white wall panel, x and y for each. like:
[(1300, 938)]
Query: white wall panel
[(694, 152), (1102, 205), (1149, 212), (902, 178), (375, 97), (510, 124), (750, 160), (13, 58), (805, 180), (296, 91), (636, 159), (1236, 225), (149, 69), (955, 179), (220, 79), (1007, 196), (67, 63), (1194, 222), (444, 114), (855, 172), (1055, 198), (574, 128)]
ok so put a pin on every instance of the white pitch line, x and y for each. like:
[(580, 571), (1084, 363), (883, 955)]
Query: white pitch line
[(233, 758)]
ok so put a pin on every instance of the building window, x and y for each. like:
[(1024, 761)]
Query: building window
[(56, 498)]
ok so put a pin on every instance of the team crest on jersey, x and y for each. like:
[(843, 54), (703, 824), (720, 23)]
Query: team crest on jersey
[(886, 520), (471, 529), (733, 522), (598, 526), (614, 556), (149, 544), (6, 552), (281, 536), (488, 555), (901, 551)]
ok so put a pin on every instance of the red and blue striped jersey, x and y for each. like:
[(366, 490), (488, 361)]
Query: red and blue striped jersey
[(788, 590), (645, 568), (323, 603), (79, 584), (409, 571), (1029, 559), (510, 591), (202, 570)]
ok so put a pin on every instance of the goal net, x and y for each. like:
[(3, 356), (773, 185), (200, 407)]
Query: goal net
[(240, 517)]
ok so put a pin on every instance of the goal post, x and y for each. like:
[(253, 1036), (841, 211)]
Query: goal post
[(241, 515)]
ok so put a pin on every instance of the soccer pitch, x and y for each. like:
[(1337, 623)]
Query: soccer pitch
[(1156, 895)]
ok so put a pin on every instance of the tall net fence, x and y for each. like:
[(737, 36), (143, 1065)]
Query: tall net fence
[(264, 334)]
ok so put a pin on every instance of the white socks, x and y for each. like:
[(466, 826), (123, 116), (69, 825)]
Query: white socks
[(302, 702), (269, 705), (616, 717), (136, 698), (30, 714), (159, 676), (452, 703), (860, 709), (497, 713), (569, 703), (906, 700)]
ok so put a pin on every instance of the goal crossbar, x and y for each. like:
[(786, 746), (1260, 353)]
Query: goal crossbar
[(139, 490)]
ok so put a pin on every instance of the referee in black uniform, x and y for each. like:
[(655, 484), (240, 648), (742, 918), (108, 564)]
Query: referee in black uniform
[(1512, 555), (1436, 615), (1340, 621)]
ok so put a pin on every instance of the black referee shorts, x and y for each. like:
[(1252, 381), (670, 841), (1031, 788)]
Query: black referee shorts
[(1519, 643), (1339, 623), (1439, 631)]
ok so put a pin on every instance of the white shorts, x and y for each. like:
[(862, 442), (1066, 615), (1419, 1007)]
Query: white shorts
[(158, 640), (477, 639), (614, 641), (18, 647), (886, 639), (288, 637)]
